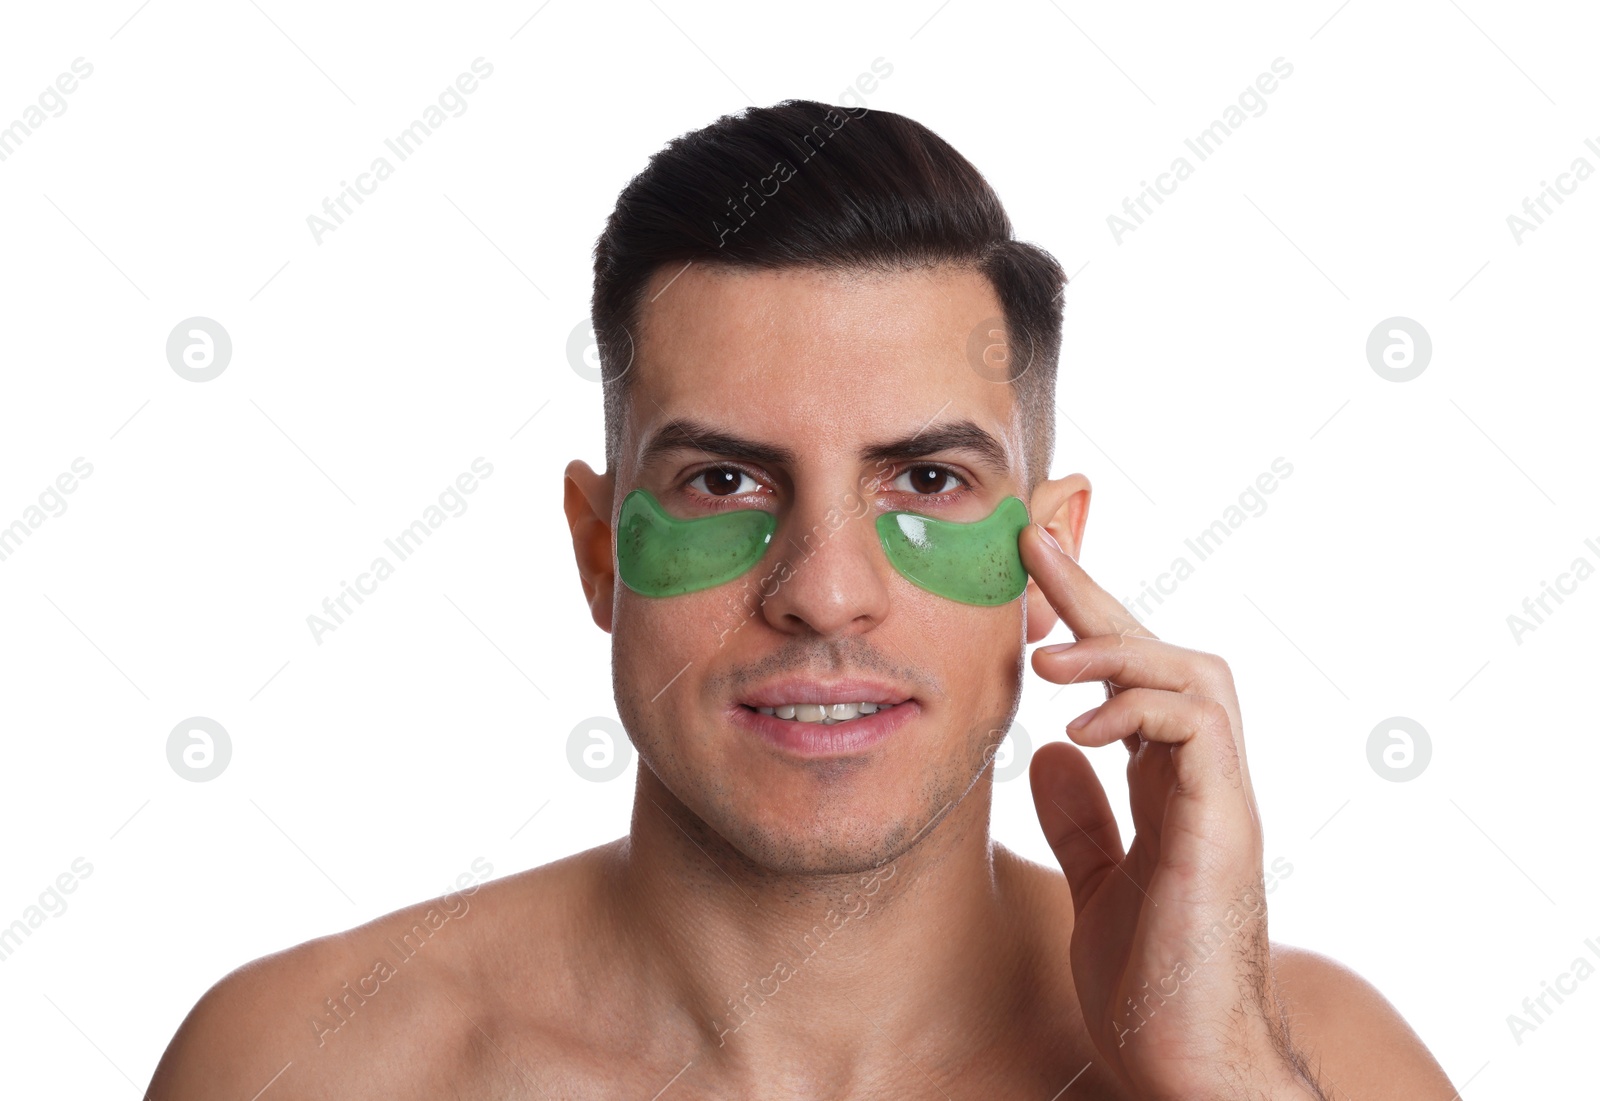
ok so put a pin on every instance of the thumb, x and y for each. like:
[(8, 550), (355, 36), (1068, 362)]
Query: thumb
[(1075, 816)]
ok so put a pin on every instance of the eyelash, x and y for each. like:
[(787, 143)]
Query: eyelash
[(733, 500), (944, 497), (711, 500)]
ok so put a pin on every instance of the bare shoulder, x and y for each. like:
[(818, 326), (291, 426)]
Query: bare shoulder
[(1355, 1042), (434, 997), (1353, 1038)]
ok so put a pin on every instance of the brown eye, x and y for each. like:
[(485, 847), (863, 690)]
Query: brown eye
[(928, 480), (720, 481)]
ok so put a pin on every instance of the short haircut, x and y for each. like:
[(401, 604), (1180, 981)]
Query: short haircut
[(850, 189)]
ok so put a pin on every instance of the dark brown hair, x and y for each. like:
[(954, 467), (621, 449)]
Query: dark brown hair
[(803, 184)]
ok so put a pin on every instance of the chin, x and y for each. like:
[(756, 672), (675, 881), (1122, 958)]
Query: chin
[(828, 844), (818, 857)]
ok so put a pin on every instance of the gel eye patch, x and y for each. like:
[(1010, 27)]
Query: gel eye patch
[(661, 555), (974, 563)]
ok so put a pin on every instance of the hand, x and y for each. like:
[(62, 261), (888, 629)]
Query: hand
[(1169, 949)]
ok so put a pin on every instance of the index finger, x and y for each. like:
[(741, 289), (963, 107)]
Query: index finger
[(1083, 606)]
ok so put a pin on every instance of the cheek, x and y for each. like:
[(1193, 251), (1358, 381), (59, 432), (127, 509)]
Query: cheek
[(654, 633), (991, 662), (666, 653), (975, 652), (985, 660)]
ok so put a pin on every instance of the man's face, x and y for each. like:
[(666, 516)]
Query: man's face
[(845, 388)]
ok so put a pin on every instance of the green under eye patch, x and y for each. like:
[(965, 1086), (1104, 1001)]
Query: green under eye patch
[(974, 563), (661, 555)]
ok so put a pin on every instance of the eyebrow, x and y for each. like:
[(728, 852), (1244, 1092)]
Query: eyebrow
[(962, 435), (688, 434)]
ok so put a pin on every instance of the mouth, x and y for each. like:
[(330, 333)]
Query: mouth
[(811, 719), (830, 714), (795, 699)]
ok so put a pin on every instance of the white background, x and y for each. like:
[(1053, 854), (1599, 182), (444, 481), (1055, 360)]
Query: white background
[(369, 370)]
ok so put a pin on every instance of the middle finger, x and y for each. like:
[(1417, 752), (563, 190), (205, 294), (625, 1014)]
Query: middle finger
[(1126, 661)]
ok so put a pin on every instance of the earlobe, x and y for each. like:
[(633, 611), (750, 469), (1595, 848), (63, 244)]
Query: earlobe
[(586, 498), (1062, 506)]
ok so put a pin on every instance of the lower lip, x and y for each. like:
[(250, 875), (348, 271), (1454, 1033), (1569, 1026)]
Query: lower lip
[(814, 740)]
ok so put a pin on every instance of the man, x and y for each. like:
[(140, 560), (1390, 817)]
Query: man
[(828, 368)]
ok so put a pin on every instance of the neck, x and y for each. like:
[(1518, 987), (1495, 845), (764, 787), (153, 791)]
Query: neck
[(775, 971)]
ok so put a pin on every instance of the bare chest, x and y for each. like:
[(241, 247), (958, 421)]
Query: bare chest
[(1068, 1071)]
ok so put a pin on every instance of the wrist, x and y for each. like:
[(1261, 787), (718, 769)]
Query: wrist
[(1256, 1084), (1285, 1079), (1272, 1076), (1280, 1072)]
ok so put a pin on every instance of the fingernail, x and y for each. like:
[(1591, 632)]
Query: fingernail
[(1044, 531), (1056, 647), (1082, 720)]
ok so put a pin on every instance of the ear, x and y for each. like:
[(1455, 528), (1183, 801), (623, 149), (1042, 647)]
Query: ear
[(1062, 506), (587, 500)]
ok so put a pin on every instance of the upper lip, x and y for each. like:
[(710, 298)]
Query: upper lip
[(804, 690)]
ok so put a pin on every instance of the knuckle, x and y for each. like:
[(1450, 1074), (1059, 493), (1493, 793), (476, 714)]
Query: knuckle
[(1214, 720), (1217, 729), (1208, 671)]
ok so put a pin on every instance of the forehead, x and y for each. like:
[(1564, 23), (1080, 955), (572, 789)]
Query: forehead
[(825, 356)]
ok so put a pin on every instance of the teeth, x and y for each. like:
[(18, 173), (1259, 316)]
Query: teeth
[(826, 714)]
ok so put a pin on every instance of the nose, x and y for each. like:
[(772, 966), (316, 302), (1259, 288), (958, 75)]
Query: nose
[(831, 577)]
